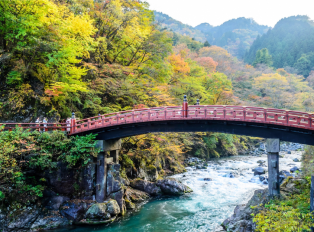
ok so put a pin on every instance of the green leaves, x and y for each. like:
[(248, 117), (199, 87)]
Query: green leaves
[(22, 150)]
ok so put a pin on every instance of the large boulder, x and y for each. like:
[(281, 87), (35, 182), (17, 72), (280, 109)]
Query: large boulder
[(292, 186), (74, 210), (294, 169), (135, 195), (118, 197), (146, 186), (171, 186), (258, 171), (103, 211), (241, 220)]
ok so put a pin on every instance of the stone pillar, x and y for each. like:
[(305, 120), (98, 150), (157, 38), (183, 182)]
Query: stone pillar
[(312, 198), (273, 149), (115, 155), (101, 173), (113, 147)]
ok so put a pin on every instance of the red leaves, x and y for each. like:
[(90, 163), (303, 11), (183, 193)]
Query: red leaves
[(208, 63)]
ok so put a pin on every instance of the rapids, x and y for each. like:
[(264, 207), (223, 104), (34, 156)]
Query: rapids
[(204, 209)]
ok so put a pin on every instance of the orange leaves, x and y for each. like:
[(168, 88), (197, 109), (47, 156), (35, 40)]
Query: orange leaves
[(139, 106), (208, 63), (178, 64), (54, 91)]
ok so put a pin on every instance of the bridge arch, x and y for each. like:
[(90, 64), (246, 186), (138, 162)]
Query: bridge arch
[(290, 126)]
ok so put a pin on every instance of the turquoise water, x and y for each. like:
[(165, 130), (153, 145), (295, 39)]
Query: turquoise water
[(203, 210)]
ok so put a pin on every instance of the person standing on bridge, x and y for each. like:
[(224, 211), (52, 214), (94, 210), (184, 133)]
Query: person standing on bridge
[(38, 122), (68, 122), (45, 121)]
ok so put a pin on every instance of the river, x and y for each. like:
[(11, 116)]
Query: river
[(207, 207)]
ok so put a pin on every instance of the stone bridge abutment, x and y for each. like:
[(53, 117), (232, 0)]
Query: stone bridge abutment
[(109, 153)]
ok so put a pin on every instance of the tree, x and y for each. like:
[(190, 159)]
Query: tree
[(207, 44), (303, 65), (263, 57), (208, 63), (273, 87)]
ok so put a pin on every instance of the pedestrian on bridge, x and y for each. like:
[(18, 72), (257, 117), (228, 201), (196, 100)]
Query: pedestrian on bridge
[(45, 121)]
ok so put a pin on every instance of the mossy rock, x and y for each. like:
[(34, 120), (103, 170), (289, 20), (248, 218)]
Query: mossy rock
[(129, 204)]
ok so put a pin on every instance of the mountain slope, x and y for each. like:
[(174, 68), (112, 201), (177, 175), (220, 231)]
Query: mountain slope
[(236, 35), (290, 42), (166, 21)]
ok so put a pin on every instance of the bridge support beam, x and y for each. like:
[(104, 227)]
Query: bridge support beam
[(273, 149), (107, 147)]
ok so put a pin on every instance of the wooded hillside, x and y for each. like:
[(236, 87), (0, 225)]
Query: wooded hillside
[(290, 43)]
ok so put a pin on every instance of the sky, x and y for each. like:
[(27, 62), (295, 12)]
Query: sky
[(264, 12)]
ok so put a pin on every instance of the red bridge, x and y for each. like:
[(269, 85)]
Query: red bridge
[(289, 126)]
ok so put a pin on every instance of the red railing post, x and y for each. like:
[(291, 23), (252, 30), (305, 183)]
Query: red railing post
[(224, 110), (185, 107), (244, 113), (265, 115), (72, 129)]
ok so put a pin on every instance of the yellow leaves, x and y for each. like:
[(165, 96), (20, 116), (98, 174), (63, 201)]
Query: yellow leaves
[(178, 64), (271, 81)]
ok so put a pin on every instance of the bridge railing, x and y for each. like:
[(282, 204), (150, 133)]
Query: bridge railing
[(195, 112), (37, 126)]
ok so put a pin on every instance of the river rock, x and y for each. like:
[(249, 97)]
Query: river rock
[(103, 211), (292, 186), (119, 198), (134, 195), (241, 220), (129, 204), (294, 169), (289, 152), (54, 202), (208, 179), (261, 161), (74, 210), (171, 186), (285, 173), (261, 178), (146, 186), (50, 220), (23, 221), (258, 171), (296, 160)]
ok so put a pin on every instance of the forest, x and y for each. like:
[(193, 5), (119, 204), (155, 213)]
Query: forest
[(290, 43), (235, 35), (97, 57)]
